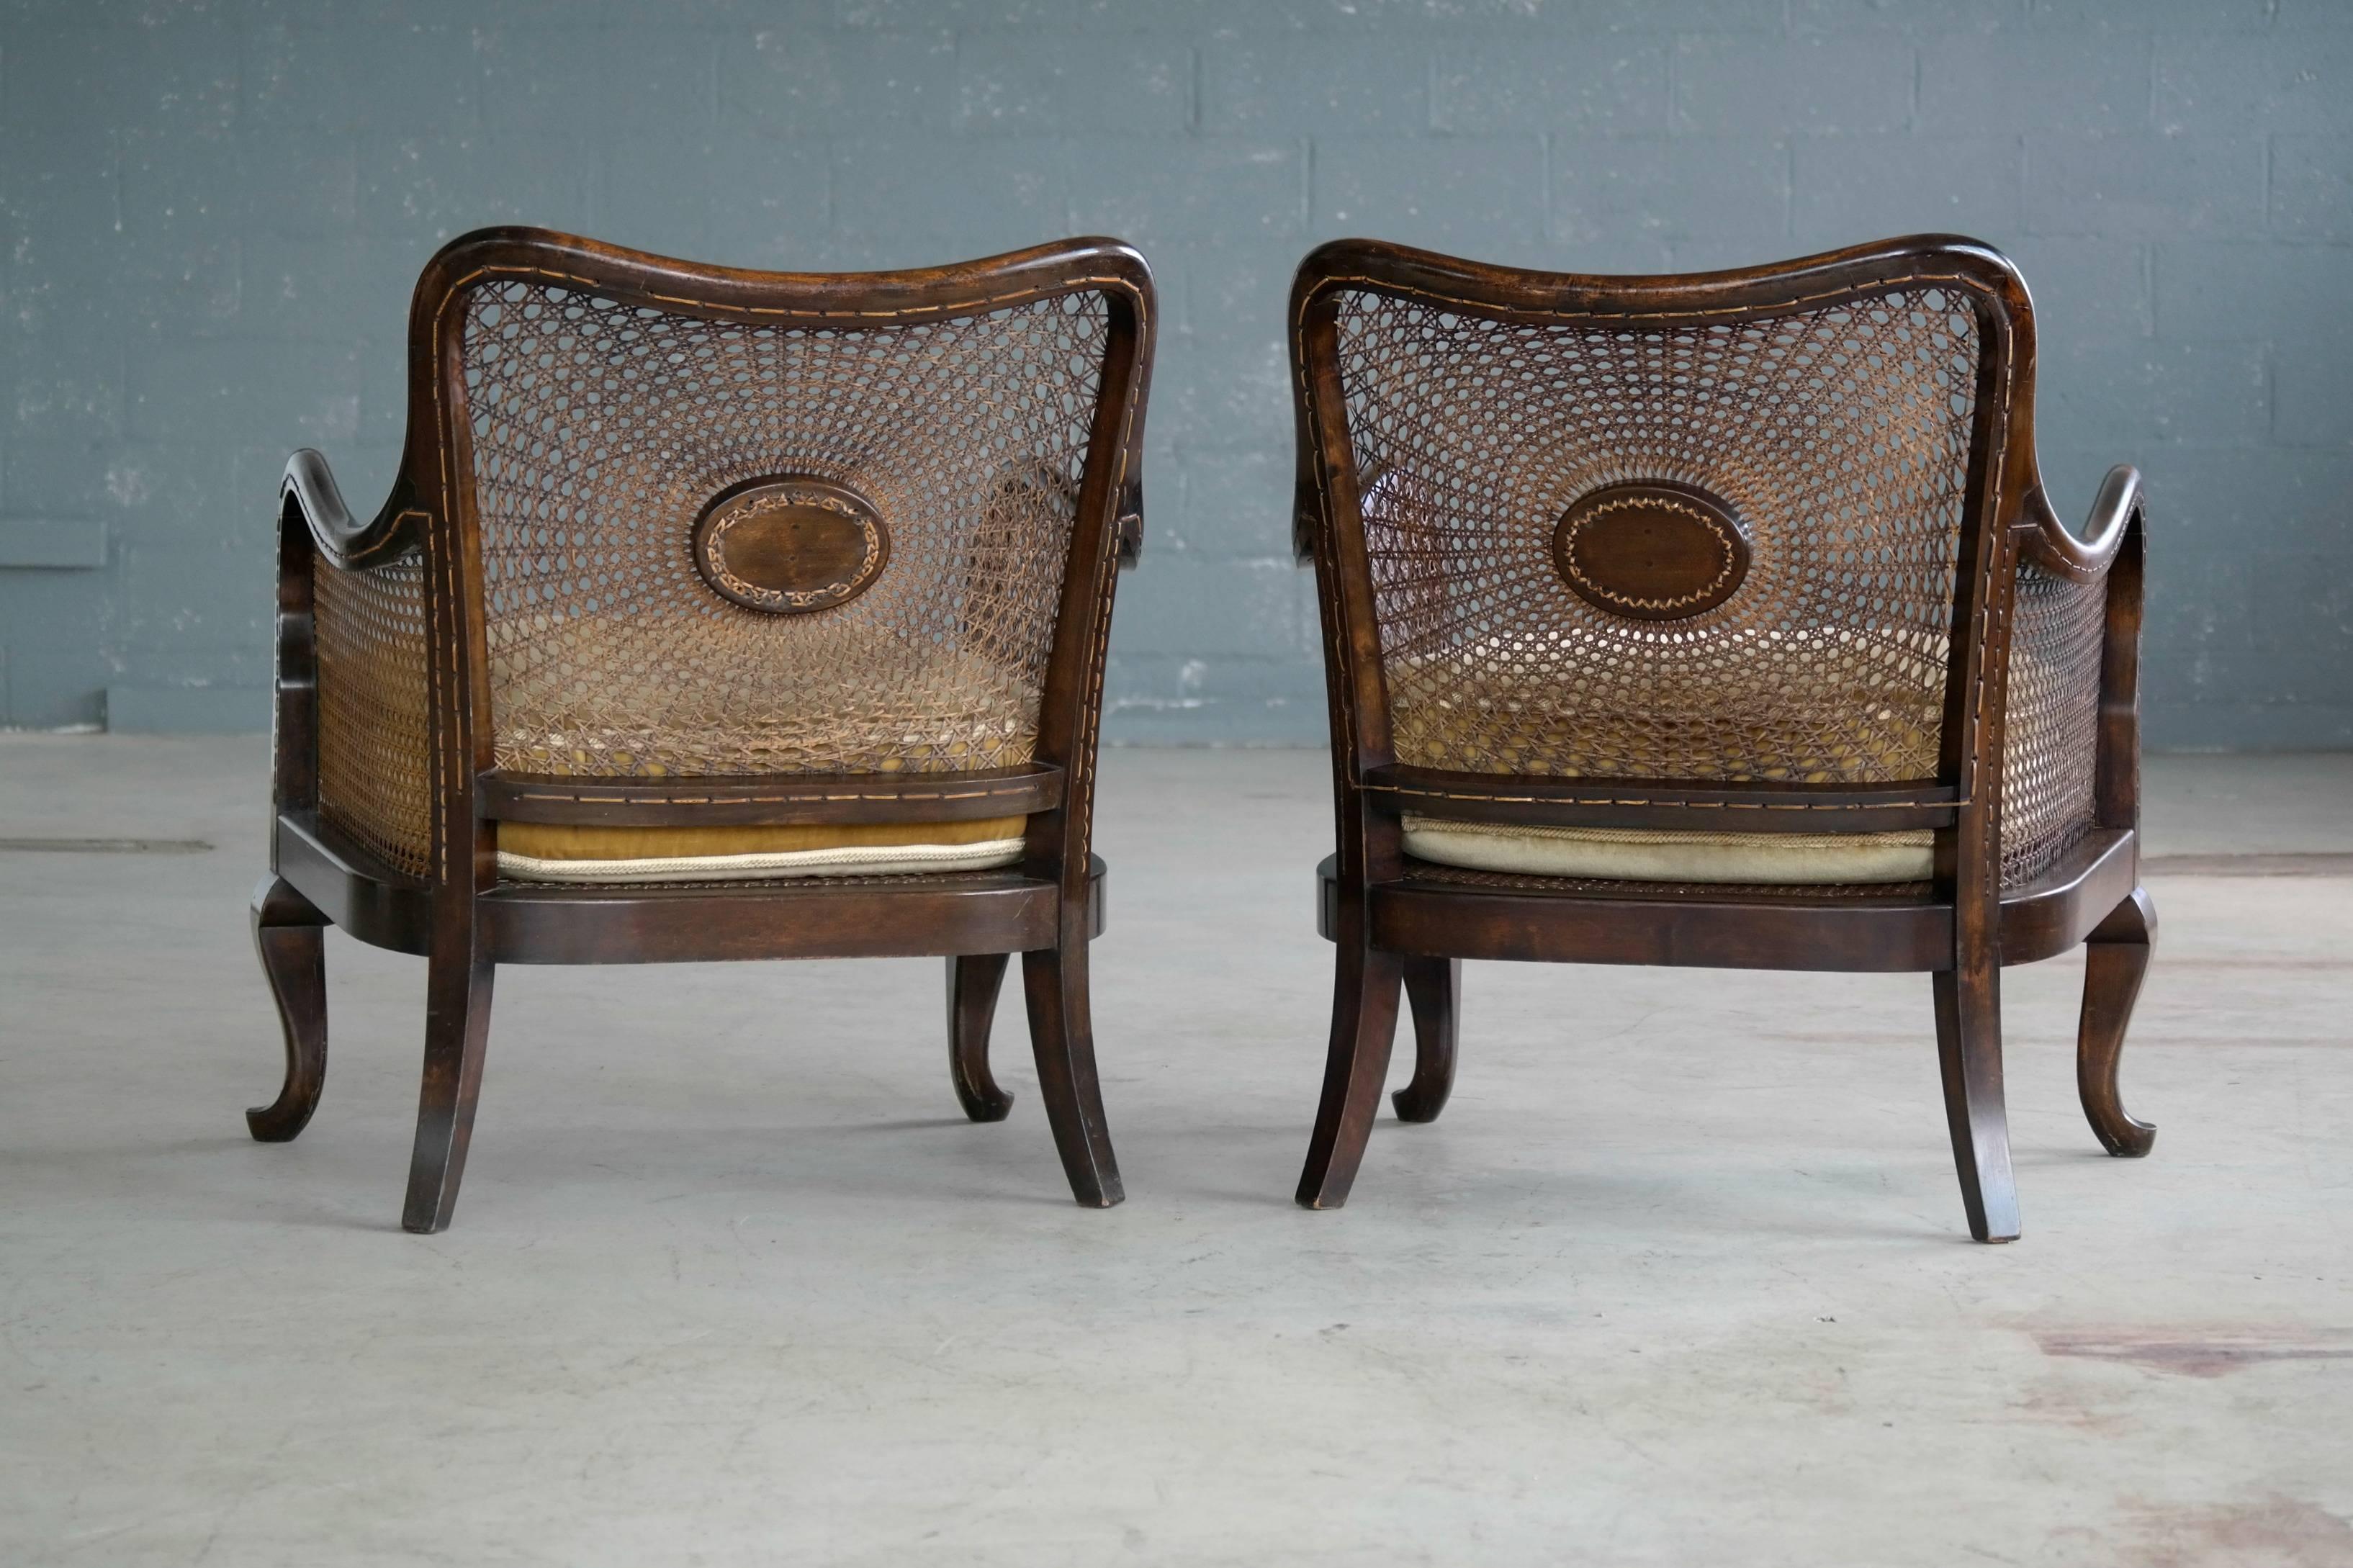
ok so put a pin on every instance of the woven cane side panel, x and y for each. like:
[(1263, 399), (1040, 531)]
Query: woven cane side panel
[(374, 732), (600, 431), (2050, 746), (1841, 438)]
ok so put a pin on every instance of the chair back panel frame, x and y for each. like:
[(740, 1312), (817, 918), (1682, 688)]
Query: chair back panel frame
[(432, 516), (1960, 802)]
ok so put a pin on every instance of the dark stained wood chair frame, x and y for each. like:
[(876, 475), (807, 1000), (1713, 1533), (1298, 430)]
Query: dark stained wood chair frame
[(1392, 932), (466, 921)]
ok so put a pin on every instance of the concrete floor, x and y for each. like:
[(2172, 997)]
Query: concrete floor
[(1680, 1278)]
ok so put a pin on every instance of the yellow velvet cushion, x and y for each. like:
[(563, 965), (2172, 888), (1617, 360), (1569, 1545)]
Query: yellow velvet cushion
[(548, 852), (1640, 855)]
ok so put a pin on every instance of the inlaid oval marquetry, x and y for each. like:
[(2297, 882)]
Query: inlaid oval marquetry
[(1653, 550), (790, 544)]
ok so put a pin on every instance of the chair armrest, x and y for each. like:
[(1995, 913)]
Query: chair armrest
[(354, 749), (2109, 557), (2085, 560), (397, 529)]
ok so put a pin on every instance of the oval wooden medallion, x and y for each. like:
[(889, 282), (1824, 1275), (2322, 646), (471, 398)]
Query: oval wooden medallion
[(1653, 550), (790, 544)]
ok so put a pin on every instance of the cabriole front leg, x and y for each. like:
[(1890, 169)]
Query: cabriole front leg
[(974, 981), (2115, 957), (289, 935), (1434, 988)]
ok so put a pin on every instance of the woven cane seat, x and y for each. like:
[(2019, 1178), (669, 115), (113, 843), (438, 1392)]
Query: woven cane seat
[(1583, 727), (597, 695), (1493, 706), (948, 709), (605, 710), (1468, 710)]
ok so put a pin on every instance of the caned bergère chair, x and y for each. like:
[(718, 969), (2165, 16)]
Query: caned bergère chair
[(1716, 620), (714, 615)]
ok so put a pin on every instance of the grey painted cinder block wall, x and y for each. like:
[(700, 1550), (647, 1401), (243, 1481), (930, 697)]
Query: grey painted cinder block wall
[(213, 212)]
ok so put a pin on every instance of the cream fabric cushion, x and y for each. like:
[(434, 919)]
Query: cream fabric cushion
[(543, 852), (1639, 855), (846, 860)]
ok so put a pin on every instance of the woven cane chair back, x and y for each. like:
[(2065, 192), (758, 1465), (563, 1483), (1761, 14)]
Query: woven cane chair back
[(1845, 439), (591, 432), (1841, 438), (601, 432)]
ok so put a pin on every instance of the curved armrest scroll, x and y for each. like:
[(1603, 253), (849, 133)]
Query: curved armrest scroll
[(2086, 560), (1306, 513), (1128, 528), (397, 529)]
